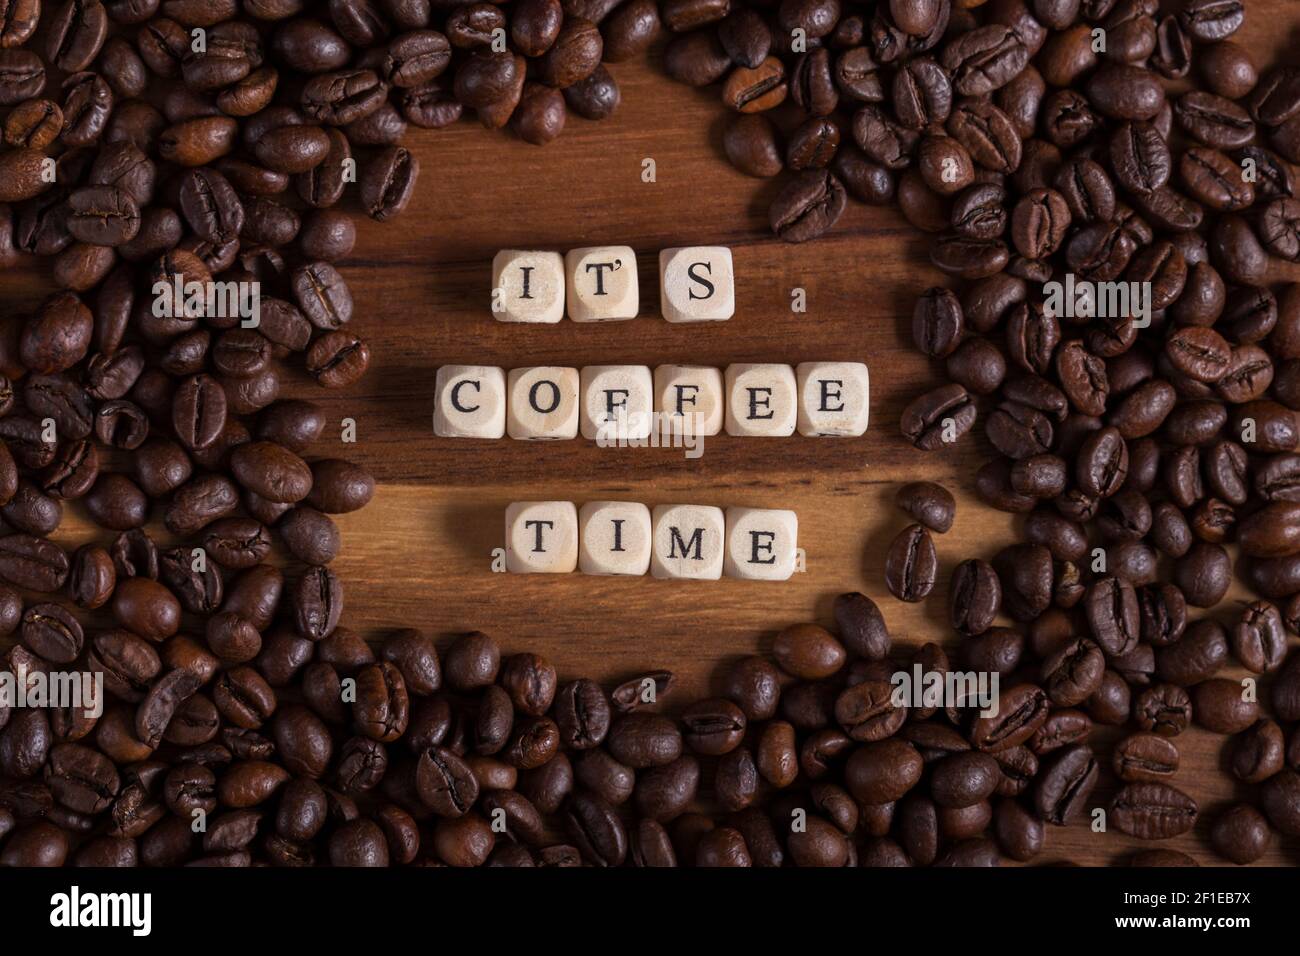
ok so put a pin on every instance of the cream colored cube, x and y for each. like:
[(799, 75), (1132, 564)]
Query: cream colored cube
[(542, 403), (601, 283), (541, 537), (527, 286), (697, 284), (689, 541), (470, 402), (692, 394), (614, 537), (761, 400), (834, 398), (616, 403), (761, 544)]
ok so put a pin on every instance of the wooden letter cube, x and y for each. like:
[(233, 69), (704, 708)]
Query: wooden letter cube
[(543, 403), (527, 286), (615, 537), (601, 283), (470, 403), (541, 537), (693, 391), (616, 402), (688, 542), (834, 398), (761, 544), (761, 400), (696, 284)]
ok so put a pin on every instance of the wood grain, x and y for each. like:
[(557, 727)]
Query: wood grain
[(419, 554)]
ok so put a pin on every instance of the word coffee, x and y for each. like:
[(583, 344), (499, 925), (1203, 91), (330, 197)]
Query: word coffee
[(684, 541), (600, 284), (626, 404)]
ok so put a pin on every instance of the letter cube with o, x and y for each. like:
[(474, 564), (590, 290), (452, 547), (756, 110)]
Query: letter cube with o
[(689, 541), (761, 544), (691, 394), (541, 537), (834, 398), (542, 403), (601, 283), (697, 284), (616, 402), (470, 402), (527, 286), (614, 537), (761, 400)]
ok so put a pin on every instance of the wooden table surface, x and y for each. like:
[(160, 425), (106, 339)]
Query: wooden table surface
[(420, 553)]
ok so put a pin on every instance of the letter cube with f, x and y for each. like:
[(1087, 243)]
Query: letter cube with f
[(616, 403), (541, 537)]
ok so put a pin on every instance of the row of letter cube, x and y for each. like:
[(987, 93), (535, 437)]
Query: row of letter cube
[(695, 542), (553, 402), (599, 284)]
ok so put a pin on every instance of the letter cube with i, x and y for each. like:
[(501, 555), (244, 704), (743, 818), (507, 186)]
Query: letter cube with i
[(761, 544), (541, 537), (614, 537), (690, 395), (696, 284), (834, 398), (761, 400), (527, 286), (542, 403), (689, 541), (470, 402), (601, 283), (616, 403)]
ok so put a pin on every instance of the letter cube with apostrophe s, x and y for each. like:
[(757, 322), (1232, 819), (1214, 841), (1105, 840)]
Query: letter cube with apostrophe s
[(470, 402), (542, 403), (527, 286), (614, 537), (761, 544), (697, 284), (834, 398), (541, 537), (761, 400), (682, 391), (689, 541), (616, 402), (601, 283)]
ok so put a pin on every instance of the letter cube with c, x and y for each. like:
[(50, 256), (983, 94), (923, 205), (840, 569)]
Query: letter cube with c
[(470, 402)]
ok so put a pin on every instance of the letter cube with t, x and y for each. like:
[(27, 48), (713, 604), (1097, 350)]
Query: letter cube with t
[(527, 286), (834, 398), (615, 537), (542, 403), (470, 402), (696, 284), (601, 283), (690, 395), (761, 400), (541, 537), (616, 402), (761, 544), (689, 541)]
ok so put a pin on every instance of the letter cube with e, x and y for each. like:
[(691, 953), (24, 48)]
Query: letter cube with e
[(527, 286), (692, 395), (601, 283), (834, 398), (761, 544), (761, 400), (470, 402), (543, 403), (541, 537), (614, 537), (689, 541), (696, 284), (616, 402)]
